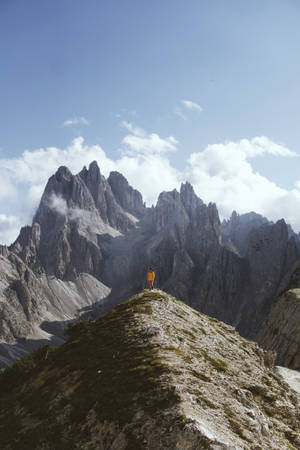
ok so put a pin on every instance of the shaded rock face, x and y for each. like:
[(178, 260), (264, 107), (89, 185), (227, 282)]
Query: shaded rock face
[(158, 376), (128, 198), (281, 330), (35, 308), (235, 231), (181, 238), (87, 225), (270, 255)]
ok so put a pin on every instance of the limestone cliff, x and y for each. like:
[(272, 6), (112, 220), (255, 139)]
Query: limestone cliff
[(152, 374), (281, 330), (34, 308), (235, 230)]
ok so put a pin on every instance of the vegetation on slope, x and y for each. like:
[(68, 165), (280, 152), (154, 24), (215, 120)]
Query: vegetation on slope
[(152, 373)]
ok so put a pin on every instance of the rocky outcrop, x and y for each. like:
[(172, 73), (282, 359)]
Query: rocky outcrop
[(105, 202), (281, 330), (128, 198), (152, 374), (35, 308)]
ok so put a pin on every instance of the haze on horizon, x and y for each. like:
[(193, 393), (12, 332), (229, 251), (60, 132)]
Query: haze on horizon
[(163, 92)]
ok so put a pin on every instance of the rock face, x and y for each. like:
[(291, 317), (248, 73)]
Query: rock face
[(34, 308), (270, 255), (73, 212), (89, 231), (235, 231), (153, 374), (128, 198), (281, 330)]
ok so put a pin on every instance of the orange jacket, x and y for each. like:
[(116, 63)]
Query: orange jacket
[(150, 275)]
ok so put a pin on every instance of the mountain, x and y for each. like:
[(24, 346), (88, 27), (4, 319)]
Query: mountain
[(154, 374), (92, 240), (73, 212)]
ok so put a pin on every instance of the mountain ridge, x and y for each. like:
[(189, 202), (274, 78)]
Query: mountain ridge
[(154, 374), (89, 231)]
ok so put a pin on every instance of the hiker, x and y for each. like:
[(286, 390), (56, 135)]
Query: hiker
[(150, 278)]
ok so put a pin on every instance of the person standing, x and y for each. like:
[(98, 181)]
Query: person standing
[(150, 278)]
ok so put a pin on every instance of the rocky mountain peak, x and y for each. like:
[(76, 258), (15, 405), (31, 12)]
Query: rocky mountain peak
[(94, 169), (213, 213), (130, 199), (170, 212), (168, 197), (188, 197), (63, 173), (153, 374), (92, 174)]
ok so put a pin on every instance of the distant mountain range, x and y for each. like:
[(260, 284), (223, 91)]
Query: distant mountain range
[(92, 240)]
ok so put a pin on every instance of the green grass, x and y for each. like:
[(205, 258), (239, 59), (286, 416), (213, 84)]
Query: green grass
[(113, 372)]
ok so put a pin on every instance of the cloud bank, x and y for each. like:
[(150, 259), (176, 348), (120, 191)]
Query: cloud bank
[(221, 173)]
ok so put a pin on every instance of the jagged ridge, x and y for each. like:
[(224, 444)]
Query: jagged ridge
[(93, 235)]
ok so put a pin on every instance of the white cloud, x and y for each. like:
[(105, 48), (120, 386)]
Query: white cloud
[(76, 121), (35, 167), (192, 106), (135, 130), (258, 146), (9, 228), (7, 188), (139, 142), (221, 173), (150, 175), (58, 204), (34, 195)]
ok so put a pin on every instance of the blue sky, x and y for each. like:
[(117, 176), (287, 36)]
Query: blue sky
[(102, 69)]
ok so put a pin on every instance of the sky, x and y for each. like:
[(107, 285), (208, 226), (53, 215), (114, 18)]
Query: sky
[(162, 91)]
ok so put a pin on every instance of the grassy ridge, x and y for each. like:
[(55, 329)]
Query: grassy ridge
[(101, 358)]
